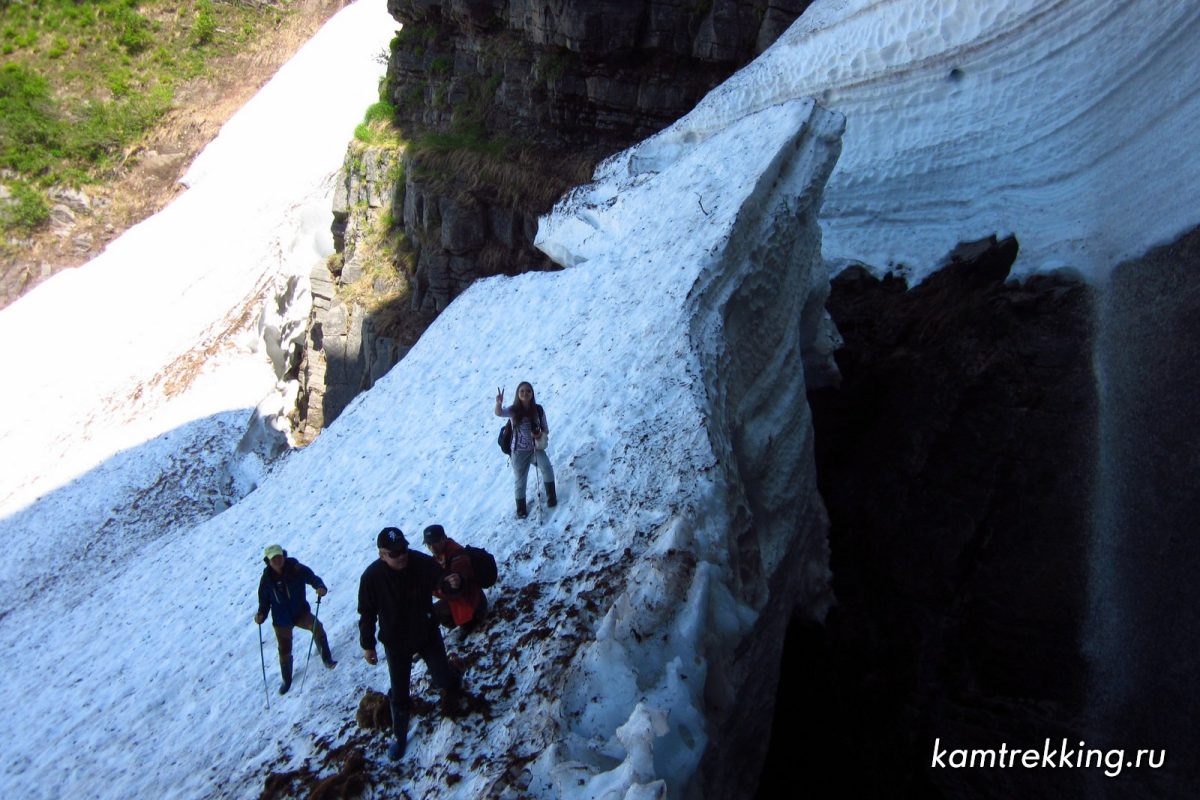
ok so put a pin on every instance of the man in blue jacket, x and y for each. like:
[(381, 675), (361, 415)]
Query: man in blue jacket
[(396, 591), (282, 589)]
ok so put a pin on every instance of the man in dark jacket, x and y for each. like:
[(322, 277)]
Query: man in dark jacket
[(461, 601), (282, 589), (396, 591)]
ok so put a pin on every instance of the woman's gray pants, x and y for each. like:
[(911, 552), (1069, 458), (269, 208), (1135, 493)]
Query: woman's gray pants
[(520, 463)]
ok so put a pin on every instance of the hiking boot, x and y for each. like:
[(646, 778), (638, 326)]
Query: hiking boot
[(326, 653), (473, 624), (551, 497), (449, 704), (522, 511), (400, 730), (285, 669), (396, 748)]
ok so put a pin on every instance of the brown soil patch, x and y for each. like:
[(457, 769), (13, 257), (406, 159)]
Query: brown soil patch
[(346, 774), (374, 712), (147, 179)]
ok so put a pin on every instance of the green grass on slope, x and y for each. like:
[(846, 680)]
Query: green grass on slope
[(80, 81)]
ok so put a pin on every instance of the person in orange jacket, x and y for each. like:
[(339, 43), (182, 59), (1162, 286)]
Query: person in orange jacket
[(461, 601)]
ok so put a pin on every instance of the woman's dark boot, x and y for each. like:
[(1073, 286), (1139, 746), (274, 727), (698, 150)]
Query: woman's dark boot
[(551, 497), (522, 511)]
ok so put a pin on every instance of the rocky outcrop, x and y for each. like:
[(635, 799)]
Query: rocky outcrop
[(502, 107), (357, 295), (545, 91), (71, 222), (584, 73), (461, 236)]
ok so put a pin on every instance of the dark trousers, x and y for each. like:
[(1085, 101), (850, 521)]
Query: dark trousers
[(306, 621), (400, 662)]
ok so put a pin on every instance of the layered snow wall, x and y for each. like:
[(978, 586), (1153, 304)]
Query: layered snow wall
[(1061, 122)]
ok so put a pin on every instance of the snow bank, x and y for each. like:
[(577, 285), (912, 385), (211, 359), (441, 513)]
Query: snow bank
[(702, 254), (94, 348), (151, 356), (1062, 123)]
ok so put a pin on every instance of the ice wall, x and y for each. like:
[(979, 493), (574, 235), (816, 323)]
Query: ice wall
[(721, 231)]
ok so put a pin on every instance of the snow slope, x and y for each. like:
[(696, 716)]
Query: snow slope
[(152, 350), (130, 381), (132, 665), (599, 675)]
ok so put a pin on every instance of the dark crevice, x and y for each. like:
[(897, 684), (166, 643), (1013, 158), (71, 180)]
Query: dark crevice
[(956, 463)]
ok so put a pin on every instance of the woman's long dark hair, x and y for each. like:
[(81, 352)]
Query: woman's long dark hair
[(520, 413)]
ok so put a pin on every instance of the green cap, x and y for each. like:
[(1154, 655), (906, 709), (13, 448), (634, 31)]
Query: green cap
[(272, 551)]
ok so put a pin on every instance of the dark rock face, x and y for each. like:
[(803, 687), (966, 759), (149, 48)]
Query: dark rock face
[(1145, 621), (562, 84), (461, 235), (586, 73), (956, 463), (354, 337)]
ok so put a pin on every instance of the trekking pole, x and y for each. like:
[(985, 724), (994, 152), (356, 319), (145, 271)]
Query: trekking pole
[(263, 659), (538, 477), (538, 455), (316, 619)]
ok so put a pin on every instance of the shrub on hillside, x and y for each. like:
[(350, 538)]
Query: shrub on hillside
[(25, 207), (31, 129)]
